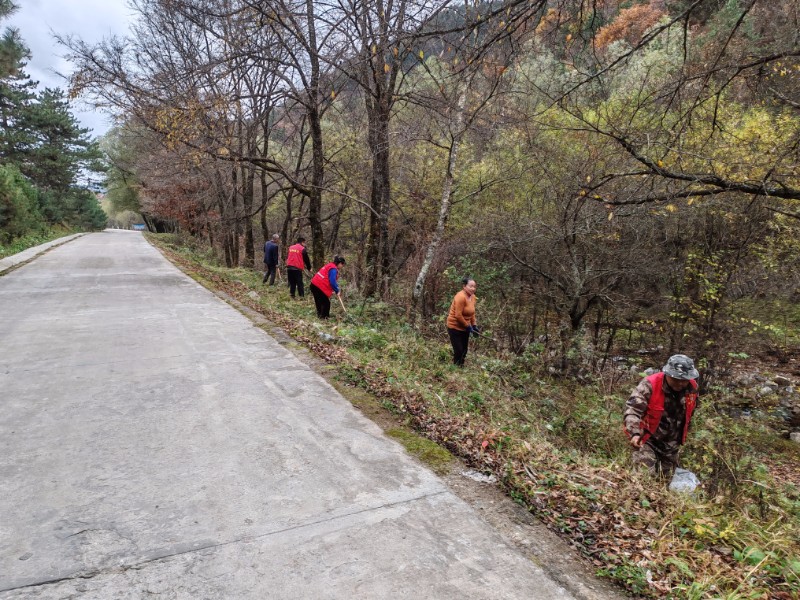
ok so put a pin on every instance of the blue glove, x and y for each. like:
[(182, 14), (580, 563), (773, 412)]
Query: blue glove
[(473, 329)]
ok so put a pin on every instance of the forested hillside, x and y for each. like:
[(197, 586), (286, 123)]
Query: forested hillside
[(44, 155), (622, 180)]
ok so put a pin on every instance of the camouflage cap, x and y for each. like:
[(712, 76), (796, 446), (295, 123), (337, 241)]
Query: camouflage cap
[(680, 366)]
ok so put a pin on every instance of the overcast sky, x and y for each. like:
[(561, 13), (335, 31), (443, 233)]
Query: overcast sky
[(90, 20)]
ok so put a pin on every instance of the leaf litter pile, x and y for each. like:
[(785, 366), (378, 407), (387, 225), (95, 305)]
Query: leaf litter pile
[(653, 542)]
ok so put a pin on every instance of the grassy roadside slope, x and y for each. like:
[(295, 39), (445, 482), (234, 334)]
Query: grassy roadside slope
[(557, 449), (29, 241)]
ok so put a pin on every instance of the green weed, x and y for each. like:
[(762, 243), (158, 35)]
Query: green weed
[(430, 453)]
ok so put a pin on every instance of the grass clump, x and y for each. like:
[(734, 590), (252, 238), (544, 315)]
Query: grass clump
[(428, 452)]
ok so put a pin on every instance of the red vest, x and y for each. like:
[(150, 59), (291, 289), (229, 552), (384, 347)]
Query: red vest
[(321, 279), (655, 409), (295, 257)]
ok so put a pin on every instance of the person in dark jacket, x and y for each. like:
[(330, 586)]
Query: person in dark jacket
[(658, 414), (325, 284), (296, 261), (271, 254)]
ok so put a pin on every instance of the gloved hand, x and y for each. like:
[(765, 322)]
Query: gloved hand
[(473, 329)]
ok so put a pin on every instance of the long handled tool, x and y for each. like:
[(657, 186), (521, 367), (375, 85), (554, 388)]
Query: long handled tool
[(342, 303)]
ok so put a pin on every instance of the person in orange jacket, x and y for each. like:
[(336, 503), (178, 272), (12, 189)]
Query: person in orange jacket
[(325, 284), (296, 261), (461, 320)]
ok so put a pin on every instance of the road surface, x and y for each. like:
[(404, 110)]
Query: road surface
[(155, 443)]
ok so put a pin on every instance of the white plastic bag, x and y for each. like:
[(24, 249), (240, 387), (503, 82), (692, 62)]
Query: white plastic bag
[(684, 481)]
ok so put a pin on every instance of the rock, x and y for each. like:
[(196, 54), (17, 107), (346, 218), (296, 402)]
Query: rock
[(684, 481), (254, 295), (771, 384), (325, 337), (650, 371), (782, 381), (766, 391), (634, 369), (795, 437), (478, 476)]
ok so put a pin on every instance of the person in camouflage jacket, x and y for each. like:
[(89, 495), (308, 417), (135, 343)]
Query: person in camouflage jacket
[(658, 413)]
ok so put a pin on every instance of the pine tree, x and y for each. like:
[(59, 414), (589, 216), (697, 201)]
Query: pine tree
[(12, 51), (43, 147)]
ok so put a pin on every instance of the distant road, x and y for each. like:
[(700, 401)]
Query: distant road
[(155, 443)]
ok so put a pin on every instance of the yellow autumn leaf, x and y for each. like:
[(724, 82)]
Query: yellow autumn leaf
[(421, 55), (610, 216), (386, 68), (690, 201), (395, 51), (660, 163), (582, 193), (569, 37), (333, 94), (671, 207)]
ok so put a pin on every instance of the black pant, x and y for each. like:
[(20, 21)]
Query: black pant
[(270, 273), (460, 342), (295, 277), (322, 301)]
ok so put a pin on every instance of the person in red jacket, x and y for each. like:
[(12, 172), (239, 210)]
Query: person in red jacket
[(461, 320), (325, 284), (296, 261), (658, 414)]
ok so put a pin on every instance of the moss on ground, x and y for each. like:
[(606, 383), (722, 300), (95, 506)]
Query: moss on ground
[(437, 458)]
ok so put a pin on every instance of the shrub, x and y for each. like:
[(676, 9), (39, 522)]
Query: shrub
[(19, 213)]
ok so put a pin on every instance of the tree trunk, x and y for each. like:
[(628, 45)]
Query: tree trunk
[(445, 205), (378, 251), (318, 156), (236, 229), (247, 196), (333, 236), (263, 212)]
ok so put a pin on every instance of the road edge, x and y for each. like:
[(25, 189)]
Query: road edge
[(45, 248)]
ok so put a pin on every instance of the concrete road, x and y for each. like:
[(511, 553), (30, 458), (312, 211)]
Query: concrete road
[(155, 443)]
